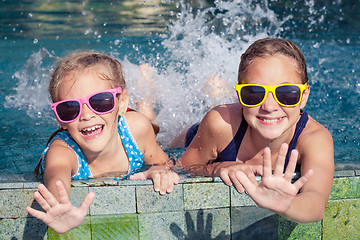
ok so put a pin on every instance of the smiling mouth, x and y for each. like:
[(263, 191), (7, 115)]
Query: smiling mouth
[(270, 120), (92, 130)]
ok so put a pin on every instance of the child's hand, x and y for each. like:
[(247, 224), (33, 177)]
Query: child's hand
[(227, 172), (275, 192), (163, 178), (60, 216)]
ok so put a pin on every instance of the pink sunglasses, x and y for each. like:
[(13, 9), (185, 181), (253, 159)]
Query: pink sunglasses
[(100, 103)]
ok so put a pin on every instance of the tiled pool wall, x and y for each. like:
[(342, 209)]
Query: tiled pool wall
[(198, 208)]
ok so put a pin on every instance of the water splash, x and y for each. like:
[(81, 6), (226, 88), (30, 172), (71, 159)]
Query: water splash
[(200, 45), (31, 93)]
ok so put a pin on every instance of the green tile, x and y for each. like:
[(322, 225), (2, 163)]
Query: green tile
[(106, 227), (345, 188), (81, 232), (292, 230), (206, 195), (148, 200), (342, 219)]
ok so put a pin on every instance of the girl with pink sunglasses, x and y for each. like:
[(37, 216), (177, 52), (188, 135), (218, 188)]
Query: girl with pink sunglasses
[(99, 137)]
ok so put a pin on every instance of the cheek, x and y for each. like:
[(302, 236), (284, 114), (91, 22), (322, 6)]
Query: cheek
[(249, 113)]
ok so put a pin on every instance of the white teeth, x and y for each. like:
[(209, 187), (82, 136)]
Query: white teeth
[(91, 128), (271, 120)]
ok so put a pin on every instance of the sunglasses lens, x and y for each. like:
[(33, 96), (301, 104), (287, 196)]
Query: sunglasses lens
[(252, 95), (102, 102), (68, 111), (288, 95)]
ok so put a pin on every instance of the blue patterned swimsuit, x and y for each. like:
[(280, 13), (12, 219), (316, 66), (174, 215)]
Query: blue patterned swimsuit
[(135, 156)]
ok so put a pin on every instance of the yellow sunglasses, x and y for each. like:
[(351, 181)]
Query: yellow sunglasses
[(287, 95)]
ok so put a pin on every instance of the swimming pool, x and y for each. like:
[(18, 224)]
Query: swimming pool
[(185, 44)]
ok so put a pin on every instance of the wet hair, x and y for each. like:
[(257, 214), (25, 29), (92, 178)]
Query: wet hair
[(269, 47), (109, 69)]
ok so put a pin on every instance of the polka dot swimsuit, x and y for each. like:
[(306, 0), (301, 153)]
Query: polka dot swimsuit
[(135, 156)]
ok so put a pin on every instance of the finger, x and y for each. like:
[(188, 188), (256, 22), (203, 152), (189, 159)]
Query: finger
[(224, 175), (156, 182), (174, 179), (49, 198), (164, 183), (84, 206), (138, 176), (35, 213), (237, 184), (301, 181), (63, 196), (280, 161), (267, 162), (248, 186), (42, 202), (249, 173), (290, 169)]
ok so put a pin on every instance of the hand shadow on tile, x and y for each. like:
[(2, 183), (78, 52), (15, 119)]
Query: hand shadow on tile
[(200, 232)]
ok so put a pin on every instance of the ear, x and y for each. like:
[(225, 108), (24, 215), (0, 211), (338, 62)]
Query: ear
[(305, 97), (123, 102)]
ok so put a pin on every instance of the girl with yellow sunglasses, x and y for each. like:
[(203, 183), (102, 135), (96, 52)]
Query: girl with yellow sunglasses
[(268, 133)]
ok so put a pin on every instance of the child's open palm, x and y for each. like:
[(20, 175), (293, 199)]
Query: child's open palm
[(61, 215), (275, 192)]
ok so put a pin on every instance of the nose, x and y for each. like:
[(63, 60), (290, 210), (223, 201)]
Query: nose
[(270, 104), (86, 113)]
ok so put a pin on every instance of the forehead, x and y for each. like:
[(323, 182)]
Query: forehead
[(272, 70), (83, 82)]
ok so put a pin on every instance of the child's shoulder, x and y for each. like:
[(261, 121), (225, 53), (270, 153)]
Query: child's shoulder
[(315, 133), (138, 123), (315, 128), (60, 153), (223, 116), (227, 110)]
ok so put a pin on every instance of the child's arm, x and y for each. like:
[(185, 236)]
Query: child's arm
[(318, 156), (215, 132), (276, 192), (163, 178), (60, 215)]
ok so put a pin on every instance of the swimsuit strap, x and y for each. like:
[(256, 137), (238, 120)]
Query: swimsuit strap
[(232, 149), (298, 130), (135, 156)]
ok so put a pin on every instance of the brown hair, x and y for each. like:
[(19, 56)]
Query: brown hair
[(83, 60), (269, 47)]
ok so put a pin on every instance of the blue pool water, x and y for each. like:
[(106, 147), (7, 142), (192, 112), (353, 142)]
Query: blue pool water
[(185, 44)]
